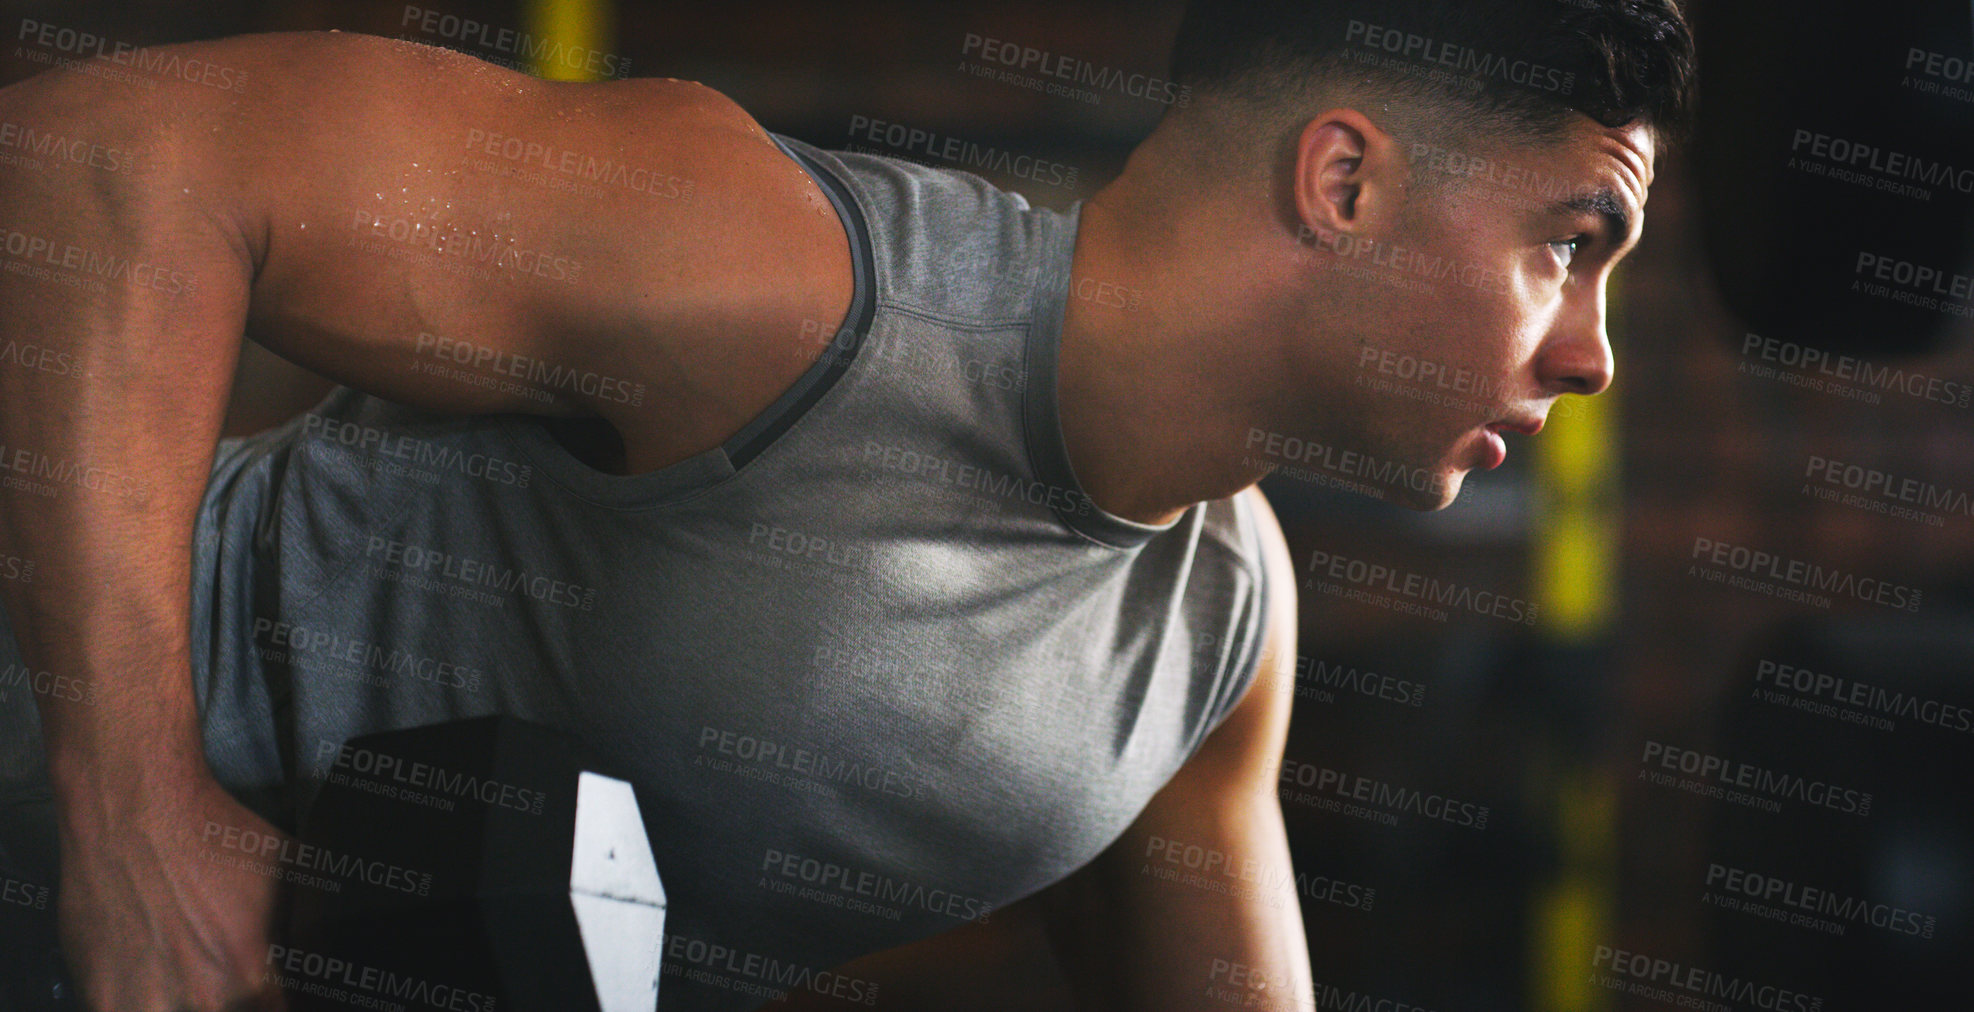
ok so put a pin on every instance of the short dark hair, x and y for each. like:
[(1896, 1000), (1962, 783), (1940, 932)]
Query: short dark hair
[(1524, 64)]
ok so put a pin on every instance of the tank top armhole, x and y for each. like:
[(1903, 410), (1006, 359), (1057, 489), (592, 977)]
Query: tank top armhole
[(758, 434), (694, 475), (1245, 666)]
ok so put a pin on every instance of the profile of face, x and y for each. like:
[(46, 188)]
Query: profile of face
[(1458, 293)]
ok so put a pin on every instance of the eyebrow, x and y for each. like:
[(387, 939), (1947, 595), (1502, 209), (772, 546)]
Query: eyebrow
[(1605, 204)]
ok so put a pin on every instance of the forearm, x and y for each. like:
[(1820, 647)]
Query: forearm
[(132, 280), (1201, 914), (1239, 938), (1003, 962)]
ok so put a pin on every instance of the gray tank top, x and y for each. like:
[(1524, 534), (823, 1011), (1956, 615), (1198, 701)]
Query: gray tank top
[(877, 665)]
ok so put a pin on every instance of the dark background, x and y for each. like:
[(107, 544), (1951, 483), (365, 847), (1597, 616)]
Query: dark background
[(1595, 521)]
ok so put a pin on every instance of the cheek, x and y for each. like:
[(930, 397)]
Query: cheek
[(1509, 318), (1464, 332)]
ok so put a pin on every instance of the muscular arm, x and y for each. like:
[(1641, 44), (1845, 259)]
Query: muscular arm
[(342, 208)]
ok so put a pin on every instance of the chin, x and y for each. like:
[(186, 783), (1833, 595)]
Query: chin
[(1428, 500)]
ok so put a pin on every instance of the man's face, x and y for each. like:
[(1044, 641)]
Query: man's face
[(1480, 302)]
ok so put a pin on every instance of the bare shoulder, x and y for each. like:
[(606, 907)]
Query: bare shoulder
[(392, 195)]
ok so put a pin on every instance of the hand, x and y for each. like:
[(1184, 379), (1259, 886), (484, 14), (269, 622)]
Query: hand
[(166, 902)]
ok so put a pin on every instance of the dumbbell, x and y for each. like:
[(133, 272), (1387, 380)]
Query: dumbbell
[(481, 865)]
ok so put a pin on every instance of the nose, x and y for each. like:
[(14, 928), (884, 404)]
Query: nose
[(1576, 355)]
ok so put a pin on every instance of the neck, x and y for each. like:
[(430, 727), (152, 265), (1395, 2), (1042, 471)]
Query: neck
[(1155, 413)]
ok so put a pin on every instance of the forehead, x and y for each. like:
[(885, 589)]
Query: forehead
[(1631, 151), (1586, 163)]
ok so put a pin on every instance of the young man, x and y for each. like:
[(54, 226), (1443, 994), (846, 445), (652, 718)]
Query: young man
[(828, 495)]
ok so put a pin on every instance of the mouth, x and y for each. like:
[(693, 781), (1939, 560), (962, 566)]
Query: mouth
[(1495, 448), (1527, 425)]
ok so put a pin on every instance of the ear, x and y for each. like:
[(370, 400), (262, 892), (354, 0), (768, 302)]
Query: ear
[(1349, 175)]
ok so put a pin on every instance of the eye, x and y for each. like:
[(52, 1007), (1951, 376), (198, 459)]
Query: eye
[(1565, 249)]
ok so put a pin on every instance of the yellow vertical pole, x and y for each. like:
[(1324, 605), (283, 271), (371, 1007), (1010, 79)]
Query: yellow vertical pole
[(1575, 565), (562, 26), (1576, 542)]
